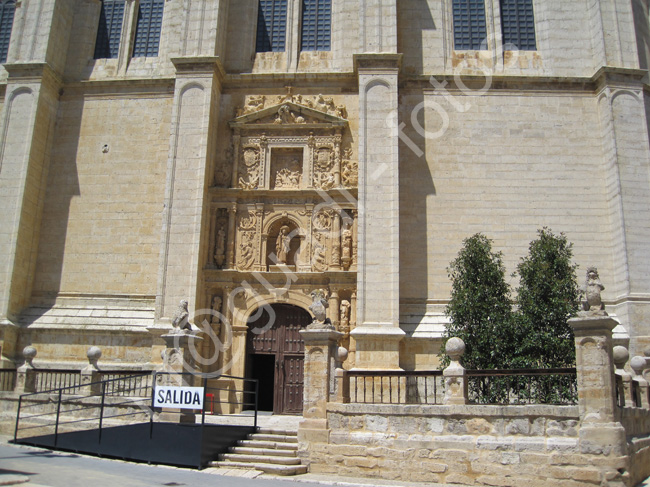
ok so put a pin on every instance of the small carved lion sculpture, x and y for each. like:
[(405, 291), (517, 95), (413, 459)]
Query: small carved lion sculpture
[(180, 321)]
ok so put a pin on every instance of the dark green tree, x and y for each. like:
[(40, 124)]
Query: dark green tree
[(548, 295), (480, 308)]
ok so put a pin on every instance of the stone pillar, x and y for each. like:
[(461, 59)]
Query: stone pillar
[(454, 374), (186, 211), (179, 369), (35, 63), (600, 433), (378, 333), (638, 364), (336, 242), (26, 374), (230, 249), (91, 375), (320, 365), (620, 356)]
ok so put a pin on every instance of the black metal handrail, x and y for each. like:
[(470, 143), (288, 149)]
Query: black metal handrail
[(7, 379), (396, 386), (104, 385)]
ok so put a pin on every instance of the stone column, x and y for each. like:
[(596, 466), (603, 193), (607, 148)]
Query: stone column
[(320, 365), (335, 308), (336, 242), (378, 333), (186, 211), (230, 249), (599, 432)]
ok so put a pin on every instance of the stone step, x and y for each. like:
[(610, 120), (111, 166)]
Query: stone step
[(264, 467), (274, 437), (276, 460), (272, 431), (268, 444), (247, 450)]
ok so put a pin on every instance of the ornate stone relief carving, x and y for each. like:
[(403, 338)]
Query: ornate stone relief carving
[(326, 104), (222, 173), (249, 170), (246, 251), (286, 170), (350, 170), (323, 162)]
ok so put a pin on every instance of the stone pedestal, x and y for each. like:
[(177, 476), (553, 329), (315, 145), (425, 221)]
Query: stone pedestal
[(91, 375), (454, 375), (320, 364), (179, 369), (26, 374), (600, 433)]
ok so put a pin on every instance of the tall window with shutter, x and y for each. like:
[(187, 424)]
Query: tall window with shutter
[(148, 27), (316, 25), (271, 25), (7, 9), (469, 25), (518, 25)]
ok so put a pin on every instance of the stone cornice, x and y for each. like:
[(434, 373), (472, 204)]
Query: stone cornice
[(377, 62), (32, 73)]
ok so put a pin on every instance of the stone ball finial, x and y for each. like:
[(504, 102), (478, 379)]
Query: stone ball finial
[(621, 356), (341, 354), (93, 354), (29, 353), (646, 352), (455, 348), (638, 364)]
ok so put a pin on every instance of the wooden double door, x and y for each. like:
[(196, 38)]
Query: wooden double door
[(275, 357)]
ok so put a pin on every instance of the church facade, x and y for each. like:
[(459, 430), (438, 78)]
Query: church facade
[(252, 156)]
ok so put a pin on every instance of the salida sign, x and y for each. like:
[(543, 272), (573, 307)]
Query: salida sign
[(178, 397)]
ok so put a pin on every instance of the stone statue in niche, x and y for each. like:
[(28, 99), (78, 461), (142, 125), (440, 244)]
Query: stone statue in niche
[(345, 316), (180, 321), (283, 245), (220, 247), (350, 170), (592, 289), (216, 313), (346, 245)]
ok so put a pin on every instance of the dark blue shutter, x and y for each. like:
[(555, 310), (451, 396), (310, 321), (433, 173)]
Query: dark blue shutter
[(147, 31), (109, 30), (469, 24), (316, 25), (7, 9), (271, 25), (518, 25)]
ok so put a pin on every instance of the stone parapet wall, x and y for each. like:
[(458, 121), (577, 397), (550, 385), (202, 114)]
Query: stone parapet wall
[(474, 445)]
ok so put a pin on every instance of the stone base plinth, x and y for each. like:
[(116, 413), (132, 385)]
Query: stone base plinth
[(377, 347)]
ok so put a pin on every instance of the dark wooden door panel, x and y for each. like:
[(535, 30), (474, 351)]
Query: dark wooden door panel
[(281, 338)]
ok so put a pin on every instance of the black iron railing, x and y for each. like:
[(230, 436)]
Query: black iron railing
[(396, 387), (523, 386), (50, 379), (133, 384)]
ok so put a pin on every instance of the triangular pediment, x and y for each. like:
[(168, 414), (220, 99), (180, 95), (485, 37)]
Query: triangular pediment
[(288, 113)]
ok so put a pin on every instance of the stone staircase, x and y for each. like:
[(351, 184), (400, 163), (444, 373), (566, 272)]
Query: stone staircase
[(269, 450)]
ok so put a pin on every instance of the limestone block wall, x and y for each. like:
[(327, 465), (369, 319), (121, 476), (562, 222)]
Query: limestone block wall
[(102, 217), (473, 445), (508, 165)]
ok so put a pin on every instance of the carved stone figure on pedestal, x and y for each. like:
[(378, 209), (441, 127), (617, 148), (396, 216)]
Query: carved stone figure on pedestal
[(346, 246), (282, 245), (319, 307), (592, 289), (180, 321)]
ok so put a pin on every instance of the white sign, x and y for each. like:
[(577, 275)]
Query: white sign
[(178, 397)]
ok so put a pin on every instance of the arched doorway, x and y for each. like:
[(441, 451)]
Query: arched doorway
[(275, 355)]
